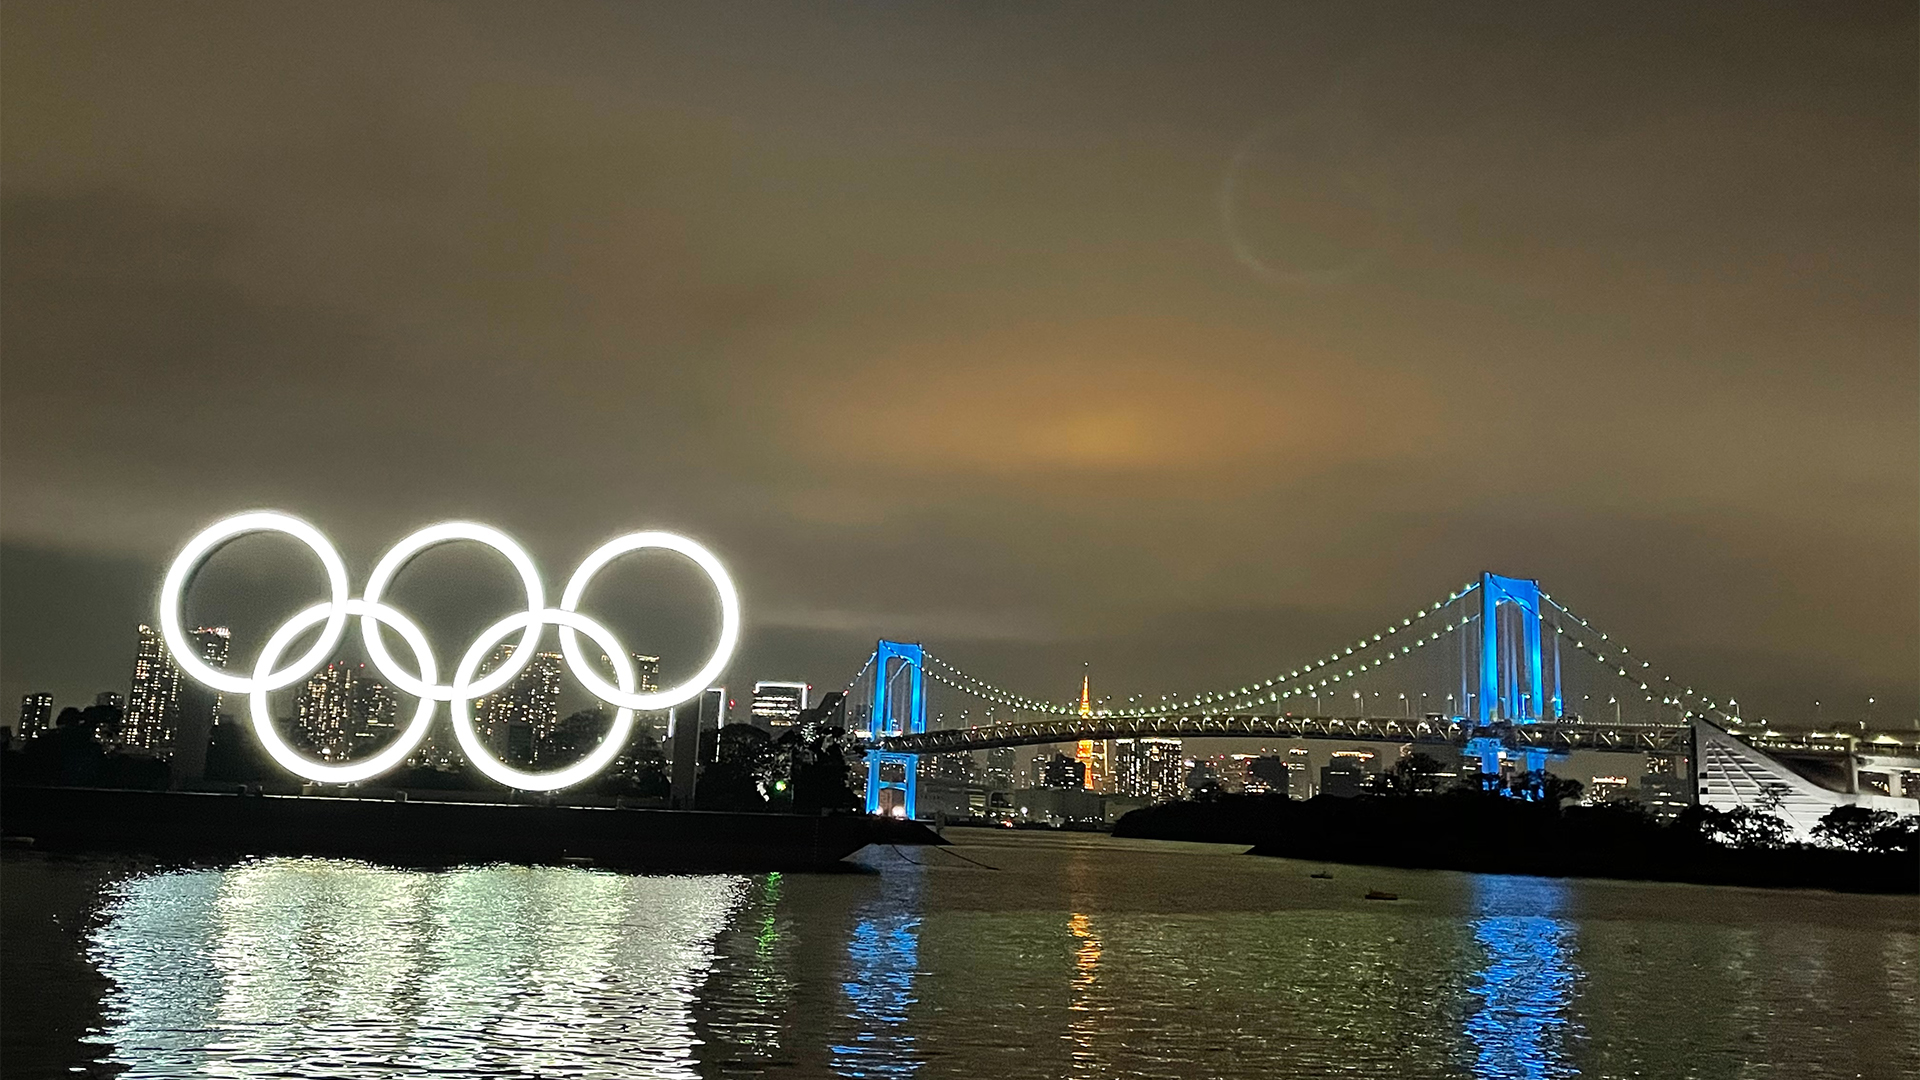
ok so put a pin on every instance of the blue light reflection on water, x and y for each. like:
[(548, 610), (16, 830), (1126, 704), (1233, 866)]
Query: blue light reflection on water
[(1521, 1028), (883, 961)]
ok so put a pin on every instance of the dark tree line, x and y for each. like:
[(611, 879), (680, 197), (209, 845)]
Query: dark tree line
[(807, 770), (75, 752)]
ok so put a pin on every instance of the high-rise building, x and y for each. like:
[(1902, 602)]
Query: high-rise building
[(1666, 797), (1347, 773), (153, 697), (342, 712), (1147, 768), (36, 714), (708, 712), (778, 705), (1299, 773), (1003, 767), (112, 700), (514, 720), (1060, 771), (1267, 774), (373, 711), (646, 672), (713, 708), (1605, 789), (154, 702), (954, 768), (323, 713), (195, 706)]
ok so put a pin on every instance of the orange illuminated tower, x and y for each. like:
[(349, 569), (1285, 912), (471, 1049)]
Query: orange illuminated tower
[(1090, 753)]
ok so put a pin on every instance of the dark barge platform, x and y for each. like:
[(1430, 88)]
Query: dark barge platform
[(424, 832)]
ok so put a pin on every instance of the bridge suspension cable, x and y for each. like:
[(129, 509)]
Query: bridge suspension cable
[(1392, 642), (1619, 665), (951, 676), (858, 675), (1395, 641)]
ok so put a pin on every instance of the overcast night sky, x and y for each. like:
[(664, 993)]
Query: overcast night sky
[(1185, 341)]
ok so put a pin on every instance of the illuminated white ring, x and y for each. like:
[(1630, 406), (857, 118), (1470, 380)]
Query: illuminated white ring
[(400, 554), (477, 752), (198, 549), (729, 621), (353, 771)]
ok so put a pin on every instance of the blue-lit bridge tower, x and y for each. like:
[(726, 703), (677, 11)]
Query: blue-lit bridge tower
[(891, 778), (1505, 681)]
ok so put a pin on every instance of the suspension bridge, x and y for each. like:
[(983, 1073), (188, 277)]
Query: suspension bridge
[(1506, 698)]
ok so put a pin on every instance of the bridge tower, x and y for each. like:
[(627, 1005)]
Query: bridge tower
[(892, 778), (1505, 681)]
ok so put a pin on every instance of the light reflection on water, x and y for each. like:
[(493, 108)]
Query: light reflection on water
[(883, 960), (1521, 1028), (345, 969), (1039, 956)]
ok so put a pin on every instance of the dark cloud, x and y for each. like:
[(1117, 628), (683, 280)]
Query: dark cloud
[(1181, 341)]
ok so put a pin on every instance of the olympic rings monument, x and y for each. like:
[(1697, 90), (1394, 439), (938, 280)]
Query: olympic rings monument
[(416, 830), (332, 615)]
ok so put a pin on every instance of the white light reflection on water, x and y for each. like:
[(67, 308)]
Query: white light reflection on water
[(338, 968)]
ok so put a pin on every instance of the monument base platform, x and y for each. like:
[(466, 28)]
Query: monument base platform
[(422, 832)]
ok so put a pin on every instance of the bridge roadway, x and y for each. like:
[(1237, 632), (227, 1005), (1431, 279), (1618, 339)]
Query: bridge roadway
[(1564, 735)]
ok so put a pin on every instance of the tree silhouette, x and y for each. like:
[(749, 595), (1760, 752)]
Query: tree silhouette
[(1852, 827)]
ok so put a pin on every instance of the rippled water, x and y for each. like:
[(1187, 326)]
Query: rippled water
[(1007, 956)]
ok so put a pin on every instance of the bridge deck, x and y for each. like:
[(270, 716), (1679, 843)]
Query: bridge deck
[(1434, 731)]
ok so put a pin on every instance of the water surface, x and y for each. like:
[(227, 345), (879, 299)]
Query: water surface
[(1009, 955)]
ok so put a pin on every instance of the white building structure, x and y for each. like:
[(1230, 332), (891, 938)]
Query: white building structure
[(1733, 774)]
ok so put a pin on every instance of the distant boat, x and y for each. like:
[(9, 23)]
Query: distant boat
[(1322, 874), (1376, 894)]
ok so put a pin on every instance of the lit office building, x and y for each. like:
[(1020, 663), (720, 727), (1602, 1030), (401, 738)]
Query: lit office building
[(196, 704), (1605, 789), (1347, 773), (778, 705), (322, 715), (36, 715), (1060, 771), (112, 700), (154, 702), (516, 719), (1268, 774), (153, 695), (1299, 773), (953, 768), (646, 672), (1147, 768), (373, 712), (1003, 768)]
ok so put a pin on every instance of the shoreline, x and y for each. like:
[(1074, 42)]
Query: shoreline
[(1488, 835), (424, 832)]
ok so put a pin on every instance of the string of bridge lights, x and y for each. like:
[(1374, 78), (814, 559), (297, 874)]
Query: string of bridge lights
[(858, 675), (1395, 640), (1618, 665)]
